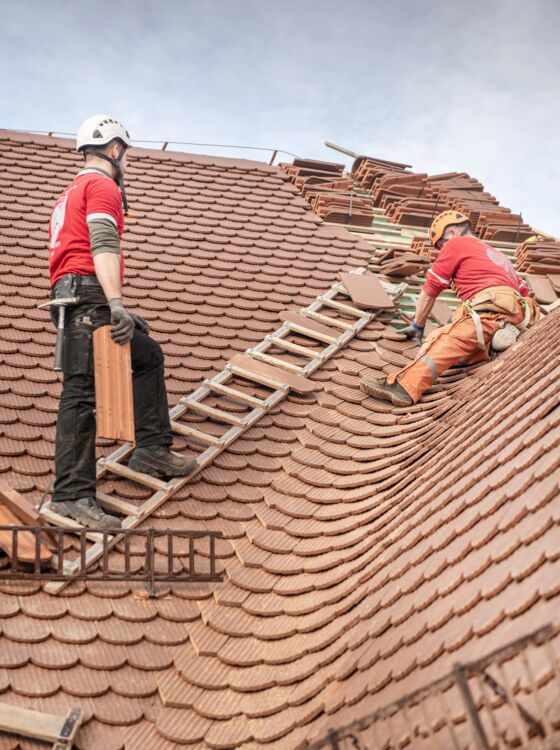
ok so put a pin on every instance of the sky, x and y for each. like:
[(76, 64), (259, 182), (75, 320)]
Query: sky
[(443, 85)]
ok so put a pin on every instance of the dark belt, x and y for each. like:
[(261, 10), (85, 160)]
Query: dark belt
[(81, 281)]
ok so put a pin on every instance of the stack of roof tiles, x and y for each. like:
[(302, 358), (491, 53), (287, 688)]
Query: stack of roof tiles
[(414, 199), (423, 246), (330, 194), (366, 547), (540, 256), (399, 262)]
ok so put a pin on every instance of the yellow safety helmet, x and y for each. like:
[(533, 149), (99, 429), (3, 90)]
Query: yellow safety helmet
[(444, 220)]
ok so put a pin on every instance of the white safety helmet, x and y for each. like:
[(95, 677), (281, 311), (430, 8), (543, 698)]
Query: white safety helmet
[(98, 130)]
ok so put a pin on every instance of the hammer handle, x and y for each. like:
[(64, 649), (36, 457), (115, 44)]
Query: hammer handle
[(59, 340)]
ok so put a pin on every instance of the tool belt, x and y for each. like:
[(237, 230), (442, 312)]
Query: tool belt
[(501, 299), (72, 282)]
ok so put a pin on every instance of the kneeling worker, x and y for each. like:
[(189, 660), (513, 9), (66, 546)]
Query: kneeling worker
[(86, 262), (494, 300)]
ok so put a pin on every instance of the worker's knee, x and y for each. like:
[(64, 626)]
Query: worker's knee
[(145, 353)]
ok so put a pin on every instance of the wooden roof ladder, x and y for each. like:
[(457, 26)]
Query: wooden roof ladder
[(328, 323)]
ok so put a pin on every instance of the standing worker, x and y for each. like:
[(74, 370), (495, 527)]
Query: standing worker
[(495, 308), (86, 265)]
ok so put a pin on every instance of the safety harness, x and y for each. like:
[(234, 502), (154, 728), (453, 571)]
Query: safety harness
[(478, 325)]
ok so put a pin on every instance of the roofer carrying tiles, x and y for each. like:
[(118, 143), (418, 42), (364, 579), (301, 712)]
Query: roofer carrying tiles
[(86, 263), (495, 308)]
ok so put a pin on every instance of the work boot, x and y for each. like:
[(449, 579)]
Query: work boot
[(505, 337), (386, 391), (159, 460), (86, 512)]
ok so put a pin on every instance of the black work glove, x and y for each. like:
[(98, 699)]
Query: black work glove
[(140, 323), (413, 332), (121, 321)]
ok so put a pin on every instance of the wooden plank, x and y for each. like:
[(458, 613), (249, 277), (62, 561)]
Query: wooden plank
[(26, 544), (114, 503), (202, 437), (325, 318), (275, 374), (366, 291), (29, 723), (19, 505), (275, 362), (308, 327), (233, 394), (296, 348), (342, 307), (135, 476), (64, 522), (114, 411), (210, 411)]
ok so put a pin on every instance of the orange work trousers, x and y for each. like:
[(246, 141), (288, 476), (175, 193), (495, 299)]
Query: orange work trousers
[(453, 344)]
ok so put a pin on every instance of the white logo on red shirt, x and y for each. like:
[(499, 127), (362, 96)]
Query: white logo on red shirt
[(57, 220)]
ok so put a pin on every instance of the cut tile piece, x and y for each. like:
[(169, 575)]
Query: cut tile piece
[(22, 544), (366, 291), (114, 411), (266, 374)]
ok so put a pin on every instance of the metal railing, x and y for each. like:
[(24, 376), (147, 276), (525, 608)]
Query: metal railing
[(469, 706), (176, 565), (164, 144)]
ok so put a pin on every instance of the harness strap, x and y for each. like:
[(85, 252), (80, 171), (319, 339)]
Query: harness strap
[(477, 325), (525, 323)]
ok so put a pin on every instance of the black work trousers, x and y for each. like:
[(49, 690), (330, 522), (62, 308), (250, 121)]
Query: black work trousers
[(75, 427)]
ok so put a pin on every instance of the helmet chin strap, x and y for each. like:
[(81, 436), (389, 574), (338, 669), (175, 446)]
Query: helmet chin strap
[(117, 164)]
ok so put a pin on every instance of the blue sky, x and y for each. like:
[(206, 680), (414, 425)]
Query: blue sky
[(441, 85)]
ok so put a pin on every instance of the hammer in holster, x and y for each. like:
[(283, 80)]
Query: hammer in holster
[(64, 295)]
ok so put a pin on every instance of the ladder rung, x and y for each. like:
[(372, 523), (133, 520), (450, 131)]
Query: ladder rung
[(276, 362), (344, 308), (311, 334), (113, 503), (67, 523), (203, 437), (329, 321), (234, 394), (135, 476), (209, 411), (296, 348)]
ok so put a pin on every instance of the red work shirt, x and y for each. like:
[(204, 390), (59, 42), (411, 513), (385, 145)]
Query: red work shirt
[(472, 266), (92, 195)]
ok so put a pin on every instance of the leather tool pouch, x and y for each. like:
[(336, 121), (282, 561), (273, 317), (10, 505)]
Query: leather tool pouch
[(496, 299)]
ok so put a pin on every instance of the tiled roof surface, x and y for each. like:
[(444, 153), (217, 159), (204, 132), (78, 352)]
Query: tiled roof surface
[(367, 548)]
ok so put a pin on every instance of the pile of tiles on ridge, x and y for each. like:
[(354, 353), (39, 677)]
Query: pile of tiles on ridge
[(414, 199), (330, 194), (399, 262), (538, 255), (423, 246)]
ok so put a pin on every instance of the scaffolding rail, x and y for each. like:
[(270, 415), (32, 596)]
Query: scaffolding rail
[(149, 555)]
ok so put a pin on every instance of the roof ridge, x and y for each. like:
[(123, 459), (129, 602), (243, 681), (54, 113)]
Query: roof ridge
[(22, 136)]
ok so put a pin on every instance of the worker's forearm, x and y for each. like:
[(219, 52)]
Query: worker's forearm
[(108, 272), (423, 308)]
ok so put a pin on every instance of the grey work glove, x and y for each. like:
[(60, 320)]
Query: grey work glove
[(121, 322), (413, 332), (140, 323)]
